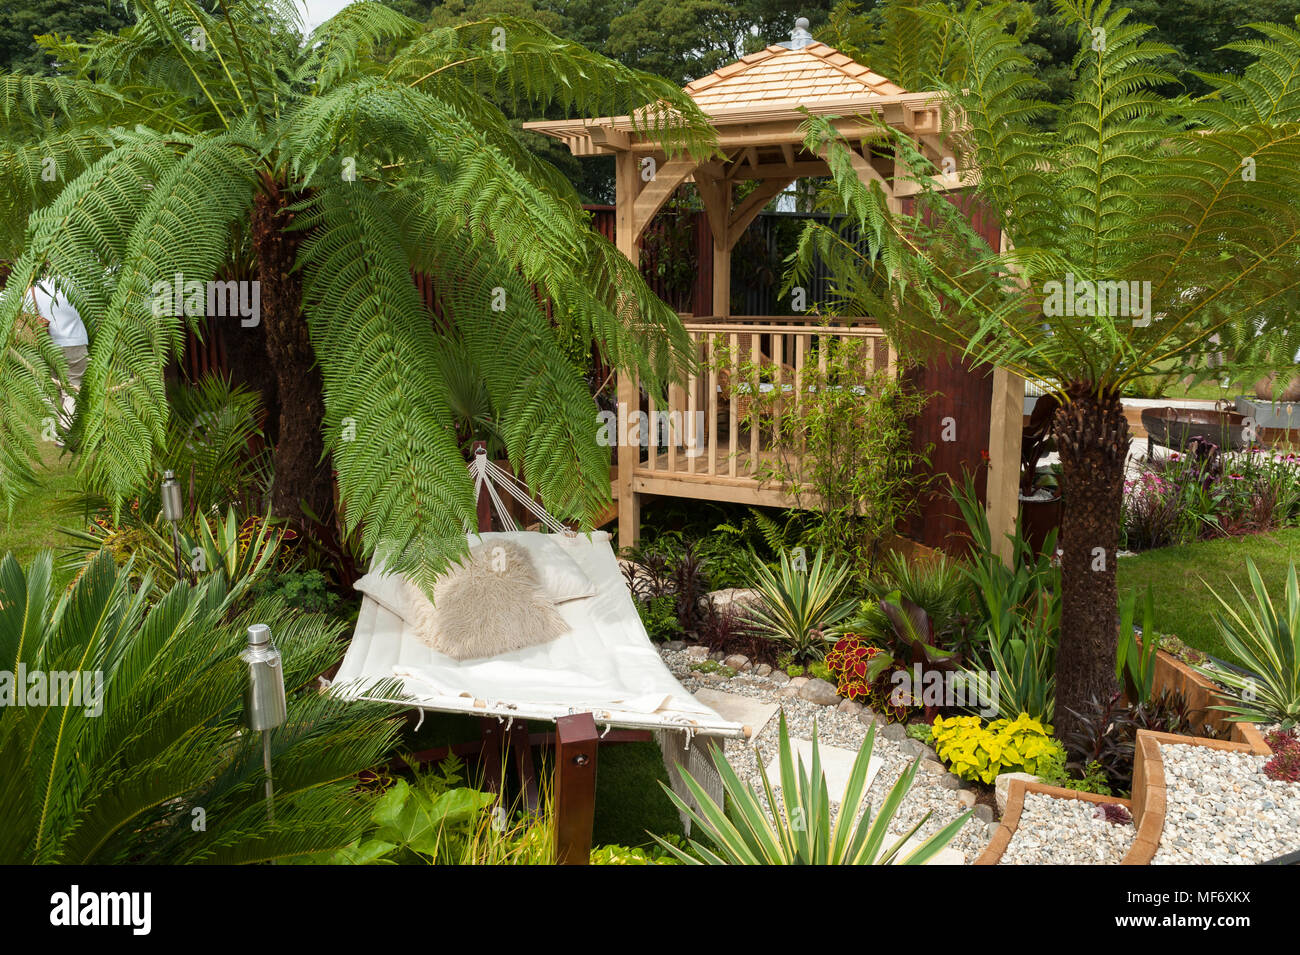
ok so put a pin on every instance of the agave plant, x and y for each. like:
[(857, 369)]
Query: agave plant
[(797, 604), (149, 762), (241, 549), (802, 833), (1268, 643)]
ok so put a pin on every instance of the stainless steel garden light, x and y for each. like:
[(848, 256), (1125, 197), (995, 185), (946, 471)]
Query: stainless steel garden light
[(264, 702), (173, 510)]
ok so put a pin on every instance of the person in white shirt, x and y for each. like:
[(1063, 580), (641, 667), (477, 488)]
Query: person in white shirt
[(66, 330)]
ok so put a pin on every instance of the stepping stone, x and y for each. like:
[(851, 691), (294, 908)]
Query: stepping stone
[(837, 765), (738, 709), (946, 856)]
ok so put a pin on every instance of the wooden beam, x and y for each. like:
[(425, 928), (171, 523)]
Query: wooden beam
[(576, 747), (787, 150), (615, 139), (751, 206)]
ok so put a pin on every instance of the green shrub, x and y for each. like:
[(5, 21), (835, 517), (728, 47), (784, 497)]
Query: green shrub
[(713, 666), (975, 752), (1053, 772), (305, 590), (624, 855), (659, 617)]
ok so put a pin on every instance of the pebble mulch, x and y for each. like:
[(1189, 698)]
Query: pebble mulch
[(1222, 809), (1066, 832), (846, 730)]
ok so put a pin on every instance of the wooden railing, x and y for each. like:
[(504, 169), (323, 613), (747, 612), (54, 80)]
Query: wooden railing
[(700, 435)]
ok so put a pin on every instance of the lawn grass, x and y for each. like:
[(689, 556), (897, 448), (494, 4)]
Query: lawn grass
[(34, 524), (1184, 604), (629, 799)]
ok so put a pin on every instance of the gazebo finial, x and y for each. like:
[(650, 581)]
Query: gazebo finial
[(799, 36)]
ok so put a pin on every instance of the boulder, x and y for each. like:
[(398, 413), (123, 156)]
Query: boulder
[(966, 797), (737, 600), (738, 662), (819, 692), (798, 682), (779, 677), (852, 707), (697, 652), (892, 731), (1002, 784), (675, 645), (762, 670)]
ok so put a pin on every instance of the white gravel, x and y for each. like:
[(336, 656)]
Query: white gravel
[(847, 731), (1066, 832), (1222, 809)]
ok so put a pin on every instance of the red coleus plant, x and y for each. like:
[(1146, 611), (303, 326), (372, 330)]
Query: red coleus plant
[(864, 673)]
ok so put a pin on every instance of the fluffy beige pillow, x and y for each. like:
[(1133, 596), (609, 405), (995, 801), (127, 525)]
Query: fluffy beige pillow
[(490, 603)]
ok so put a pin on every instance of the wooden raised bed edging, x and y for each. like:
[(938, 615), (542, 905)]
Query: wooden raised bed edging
[(1147, 802), (1172, 674), (1149, 794), (1016, 791)]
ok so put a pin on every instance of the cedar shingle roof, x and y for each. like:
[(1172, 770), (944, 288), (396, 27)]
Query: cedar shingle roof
[(781, 77)]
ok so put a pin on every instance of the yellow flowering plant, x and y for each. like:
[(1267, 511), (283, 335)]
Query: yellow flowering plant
[(974, 751)]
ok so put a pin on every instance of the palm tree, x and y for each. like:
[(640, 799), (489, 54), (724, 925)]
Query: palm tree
[(1197, 202), (147, 762), (339, 163)]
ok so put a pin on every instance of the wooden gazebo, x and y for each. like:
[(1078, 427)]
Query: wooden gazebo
[(755, 105)]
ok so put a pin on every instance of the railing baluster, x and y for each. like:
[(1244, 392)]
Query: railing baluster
[(712, 422), (733, 427), (755, 358), (652, 443), (692, 397), (778, 356)]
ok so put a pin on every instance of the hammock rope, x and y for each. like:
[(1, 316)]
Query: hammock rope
[(492, 479)]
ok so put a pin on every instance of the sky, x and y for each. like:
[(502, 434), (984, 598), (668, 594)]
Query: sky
[(319, 11)]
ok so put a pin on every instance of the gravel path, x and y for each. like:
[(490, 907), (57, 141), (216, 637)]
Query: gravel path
[(1222, 809), (844, 730), (1066, 832)]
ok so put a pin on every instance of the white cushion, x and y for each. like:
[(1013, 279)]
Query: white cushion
[(561, 577)]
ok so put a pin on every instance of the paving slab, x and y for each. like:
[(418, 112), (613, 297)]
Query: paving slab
[(837, 765), (738, 709)]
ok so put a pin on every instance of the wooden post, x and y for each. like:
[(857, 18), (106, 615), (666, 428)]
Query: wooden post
[(629, 401), (576, 743), (484, 503), (1002, 496)]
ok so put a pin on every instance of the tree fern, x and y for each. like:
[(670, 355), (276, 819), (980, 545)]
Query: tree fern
[(390, 158)]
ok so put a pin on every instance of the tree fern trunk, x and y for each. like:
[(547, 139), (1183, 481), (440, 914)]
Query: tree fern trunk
[(303, 476), (1092, 437)]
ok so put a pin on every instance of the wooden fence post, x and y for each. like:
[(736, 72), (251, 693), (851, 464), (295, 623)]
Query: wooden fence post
[(576, 743), (1002, 493)]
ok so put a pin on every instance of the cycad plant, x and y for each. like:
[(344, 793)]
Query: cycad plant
[(798, 830), (1266, 639), (799, 602), (149, 762), (1144, 233), (345, 160)]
